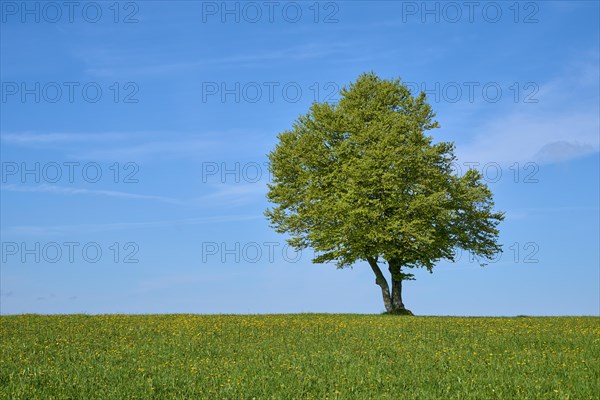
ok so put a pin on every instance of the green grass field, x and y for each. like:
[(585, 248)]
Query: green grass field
[(312, 356)]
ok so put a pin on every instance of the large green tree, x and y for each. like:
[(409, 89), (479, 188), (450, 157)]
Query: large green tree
[(361, 180)]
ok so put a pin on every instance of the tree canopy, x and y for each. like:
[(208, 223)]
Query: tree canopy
[(361, 180)]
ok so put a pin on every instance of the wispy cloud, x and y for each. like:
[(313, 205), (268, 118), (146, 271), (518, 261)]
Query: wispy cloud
[(32, 138), (562, 151), (118, 226), (133, 146), (237, 194), (153, 148), (524, 213), (229, 194), (541, 138), (563, 126), (156, 66), (87, 192), (172, 281)]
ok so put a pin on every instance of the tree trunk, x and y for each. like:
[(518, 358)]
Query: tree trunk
[(395, 267), (382, 282), (397, 295)]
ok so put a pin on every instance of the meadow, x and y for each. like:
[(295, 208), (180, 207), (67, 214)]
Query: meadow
[(298, 356)]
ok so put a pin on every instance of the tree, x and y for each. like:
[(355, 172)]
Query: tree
[(361, 181)]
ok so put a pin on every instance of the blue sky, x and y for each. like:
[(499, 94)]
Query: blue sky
[(134, 143)]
